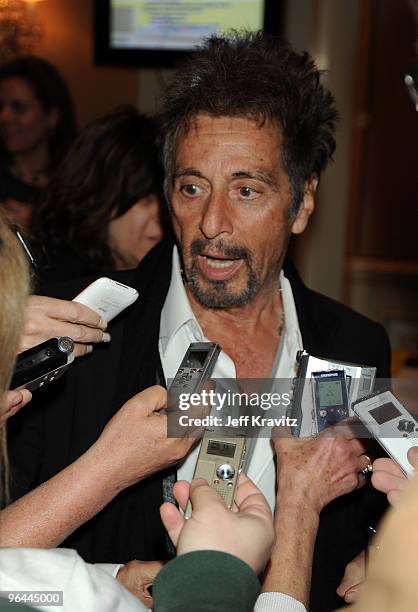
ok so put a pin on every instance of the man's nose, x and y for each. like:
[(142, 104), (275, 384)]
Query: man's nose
[(216, 217)]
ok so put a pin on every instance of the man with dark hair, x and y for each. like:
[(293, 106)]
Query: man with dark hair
[(259, 78), (247, 130)]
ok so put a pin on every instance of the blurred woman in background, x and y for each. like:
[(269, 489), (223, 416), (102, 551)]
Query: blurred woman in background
[(102, 209), (37, 125)]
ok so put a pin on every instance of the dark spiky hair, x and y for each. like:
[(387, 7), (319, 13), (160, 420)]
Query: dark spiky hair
[(254, 75)]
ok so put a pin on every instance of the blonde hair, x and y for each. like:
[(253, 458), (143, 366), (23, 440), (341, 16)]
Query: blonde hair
[(14, 290)]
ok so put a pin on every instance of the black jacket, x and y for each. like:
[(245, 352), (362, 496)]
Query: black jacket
[(69, 416)]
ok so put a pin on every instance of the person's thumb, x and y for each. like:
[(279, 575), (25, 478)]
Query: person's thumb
[(413, 456), (150, 400), (172, 521)]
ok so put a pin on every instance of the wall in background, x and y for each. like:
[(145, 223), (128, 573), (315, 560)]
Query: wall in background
[(382, 249), (327, 29), (68, 43), (151, 83)]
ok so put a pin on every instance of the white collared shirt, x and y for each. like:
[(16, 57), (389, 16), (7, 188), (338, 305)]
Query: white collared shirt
[(179, 327)]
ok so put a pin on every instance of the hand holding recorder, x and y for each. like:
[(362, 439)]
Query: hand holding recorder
[(132, 446), (393, 426), (389, 478), (246, 533), (317, 470), (46, 317), (137, 435), (84, 319)]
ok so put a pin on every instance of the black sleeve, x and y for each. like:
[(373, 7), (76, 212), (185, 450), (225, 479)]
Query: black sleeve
[(25, 448)]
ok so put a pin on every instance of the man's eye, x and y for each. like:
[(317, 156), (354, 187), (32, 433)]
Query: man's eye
[(190, 190), (248, 192)]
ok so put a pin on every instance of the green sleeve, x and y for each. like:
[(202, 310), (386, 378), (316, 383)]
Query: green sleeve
[(5, 605), (205, 581)]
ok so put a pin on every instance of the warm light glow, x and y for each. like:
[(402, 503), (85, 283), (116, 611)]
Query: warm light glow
[(20, 29)]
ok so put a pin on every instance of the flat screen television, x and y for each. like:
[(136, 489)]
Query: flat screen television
[(160, 32)]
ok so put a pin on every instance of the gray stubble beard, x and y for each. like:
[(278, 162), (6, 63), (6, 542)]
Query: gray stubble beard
[(217, 296)]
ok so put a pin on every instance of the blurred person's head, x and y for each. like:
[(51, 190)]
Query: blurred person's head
[(36, 111), (14, 289), (104, 200)]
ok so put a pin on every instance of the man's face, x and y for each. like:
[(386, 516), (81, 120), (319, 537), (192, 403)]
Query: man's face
[(230, 207)]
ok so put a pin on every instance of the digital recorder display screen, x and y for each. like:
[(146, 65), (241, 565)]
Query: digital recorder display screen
[(178, 24), (222, 449), (330, 393), (196, 359), (384, 413)]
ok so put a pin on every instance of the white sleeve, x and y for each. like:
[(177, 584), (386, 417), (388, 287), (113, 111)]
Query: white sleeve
[(277, 602), (86, 587)]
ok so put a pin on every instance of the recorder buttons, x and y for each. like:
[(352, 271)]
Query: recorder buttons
[(65, 344), (405, 425), (225, 472)]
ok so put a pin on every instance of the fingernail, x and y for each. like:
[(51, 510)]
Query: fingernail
[(103, 324), (89, 348), (106, 338)]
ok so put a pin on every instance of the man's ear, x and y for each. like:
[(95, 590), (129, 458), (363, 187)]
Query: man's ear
[(307, 206)]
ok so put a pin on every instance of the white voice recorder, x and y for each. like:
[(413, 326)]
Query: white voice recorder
[(393, 426), (107, 297)]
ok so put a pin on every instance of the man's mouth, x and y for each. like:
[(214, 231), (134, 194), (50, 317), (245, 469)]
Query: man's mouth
[(218, 267)]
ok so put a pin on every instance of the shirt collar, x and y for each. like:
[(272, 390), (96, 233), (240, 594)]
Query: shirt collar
[(176, 311), (291, 330)]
